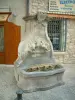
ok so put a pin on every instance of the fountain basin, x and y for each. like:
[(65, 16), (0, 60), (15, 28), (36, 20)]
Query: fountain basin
[(39, 80)]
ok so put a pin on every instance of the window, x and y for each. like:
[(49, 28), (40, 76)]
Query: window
[(57, 33), (1, 38)]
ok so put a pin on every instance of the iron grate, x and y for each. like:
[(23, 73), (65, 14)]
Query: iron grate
[(54, 30)]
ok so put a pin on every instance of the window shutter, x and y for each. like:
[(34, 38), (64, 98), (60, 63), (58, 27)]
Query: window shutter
[(63, 35)]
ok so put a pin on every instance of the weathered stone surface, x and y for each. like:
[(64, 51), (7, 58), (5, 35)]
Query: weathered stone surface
[(37, 49), (38, 5), (39, 80)]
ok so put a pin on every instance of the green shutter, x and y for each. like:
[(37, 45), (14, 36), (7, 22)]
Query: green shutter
[(63, 35)]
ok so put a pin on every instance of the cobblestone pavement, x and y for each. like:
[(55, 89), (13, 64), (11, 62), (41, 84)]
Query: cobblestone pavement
[(8, 86)]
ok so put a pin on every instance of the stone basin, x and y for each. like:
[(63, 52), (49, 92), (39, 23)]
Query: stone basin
[(40, 79)]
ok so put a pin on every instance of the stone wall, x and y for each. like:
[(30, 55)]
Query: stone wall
[(38, 5)]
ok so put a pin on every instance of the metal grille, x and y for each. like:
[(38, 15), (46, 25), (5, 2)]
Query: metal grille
[(54, 30)]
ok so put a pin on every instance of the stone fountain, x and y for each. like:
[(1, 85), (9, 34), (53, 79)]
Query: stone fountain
[(35, 67)]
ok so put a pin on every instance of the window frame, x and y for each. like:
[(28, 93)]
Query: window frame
[(63, 35)]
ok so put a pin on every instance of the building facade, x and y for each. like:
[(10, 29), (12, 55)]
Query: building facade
[(61, 31)]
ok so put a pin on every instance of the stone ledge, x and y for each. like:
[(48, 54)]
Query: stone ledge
[(31, 17), (34, 17), (40, 73), (59, 53)]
